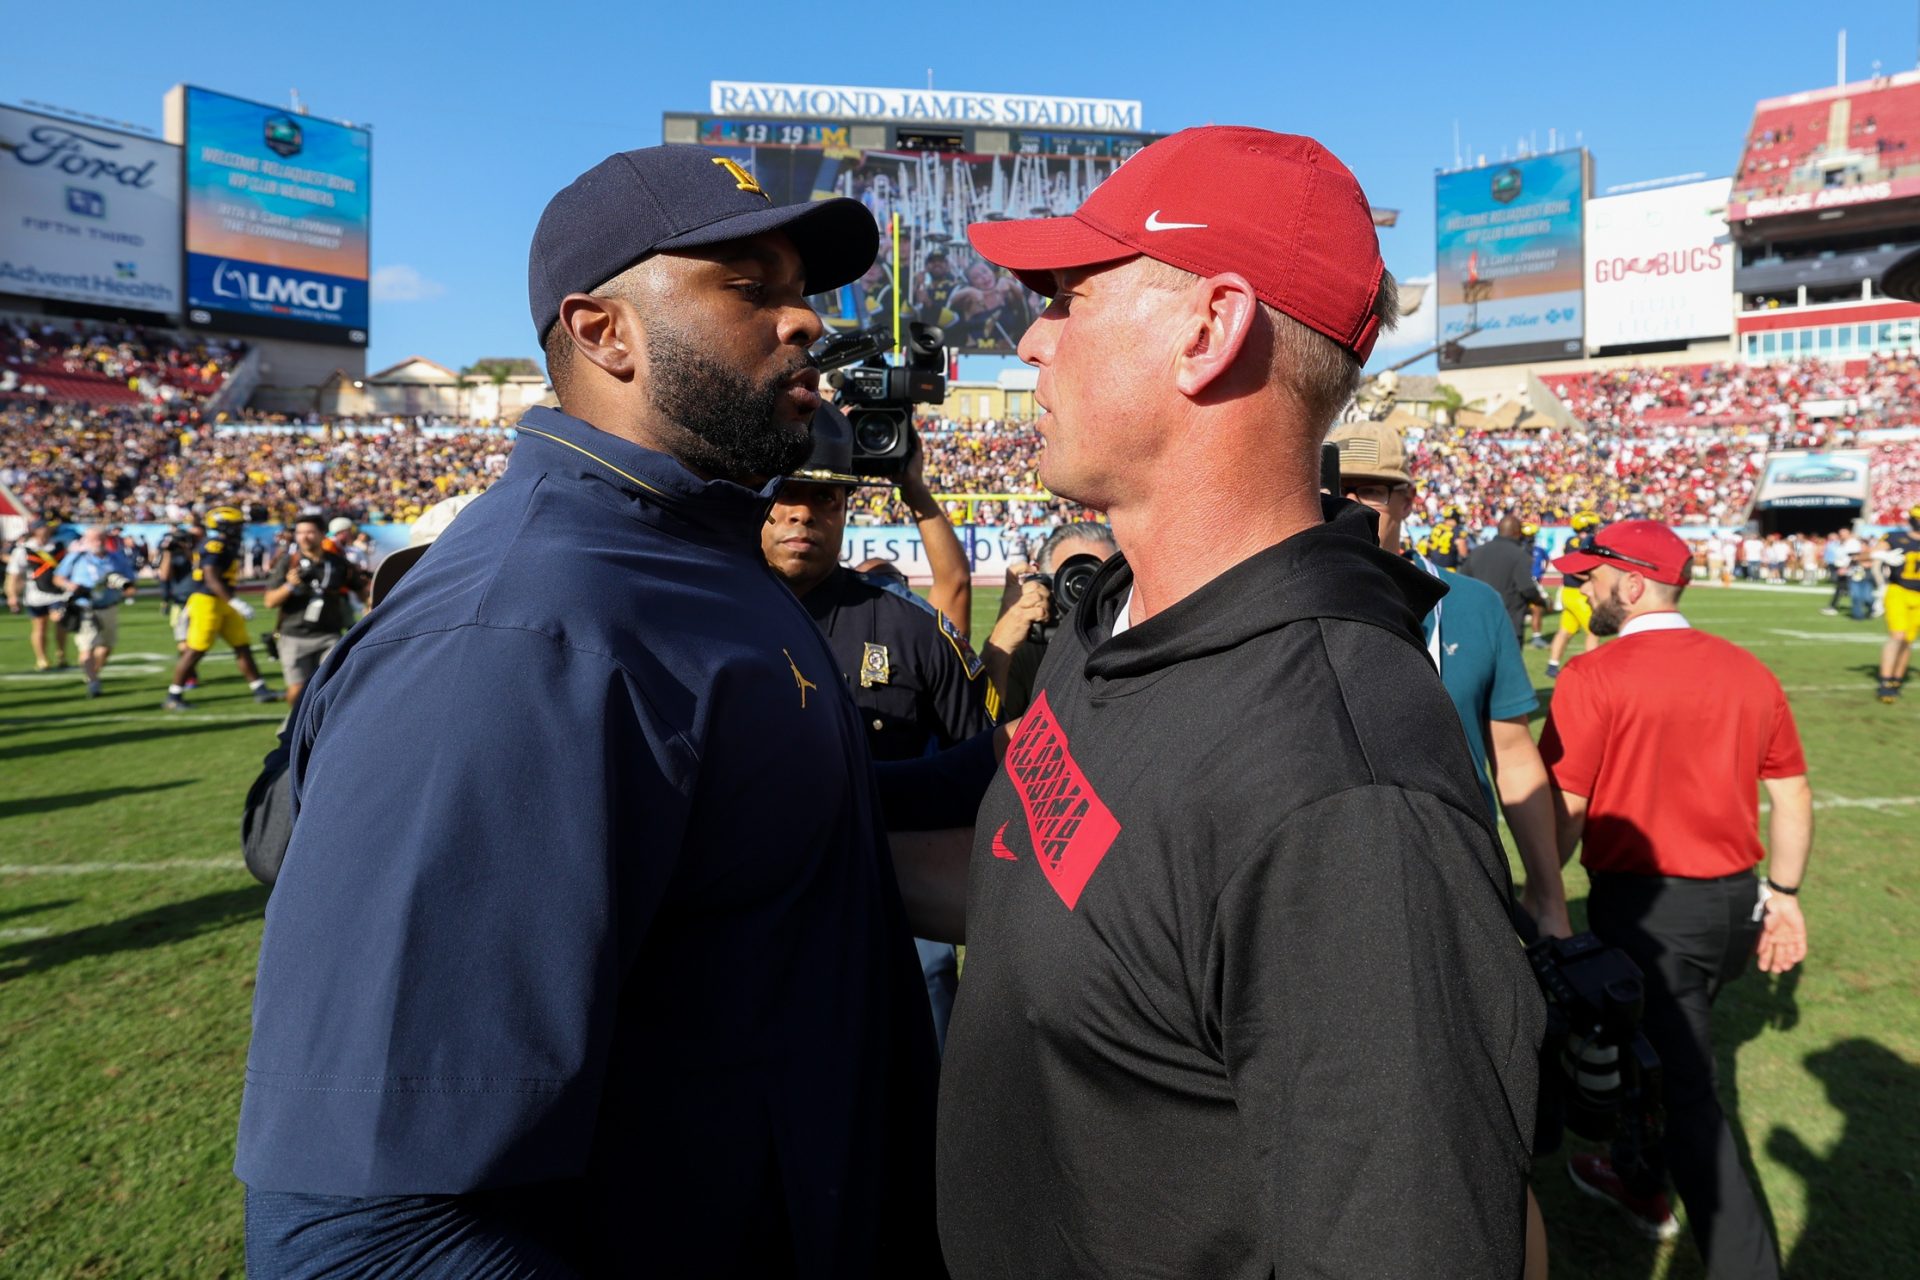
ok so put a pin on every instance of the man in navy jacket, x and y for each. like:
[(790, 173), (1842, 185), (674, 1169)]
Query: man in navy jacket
[(587, 955)]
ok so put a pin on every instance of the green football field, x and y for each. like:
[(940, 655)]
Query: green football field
[(128, 932)]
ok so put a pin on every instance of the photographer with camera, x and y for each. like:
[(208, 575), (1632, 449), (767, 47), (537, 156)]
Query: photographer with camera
[(1654, 744), (313, 588), (96, 578), (1037, 599), (915, 681)]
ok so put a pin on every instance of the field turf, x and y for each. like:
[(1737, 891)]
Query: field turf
[(128, 932)]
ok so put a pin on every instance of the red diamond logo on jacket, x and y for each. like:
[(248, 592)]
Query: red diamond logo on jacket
[(1071, 827)]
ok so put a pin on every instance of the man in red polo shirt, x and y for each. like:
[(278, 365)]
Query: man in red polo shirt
[(1653, 744)]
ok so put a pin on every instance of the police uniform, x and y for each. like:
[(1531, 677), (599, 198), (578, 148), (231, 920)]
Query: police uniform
[(918, 687), (918, 684)]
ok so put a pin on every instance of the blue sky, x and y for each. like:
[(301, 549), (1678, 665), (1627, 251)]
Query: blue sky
[(482, 110)]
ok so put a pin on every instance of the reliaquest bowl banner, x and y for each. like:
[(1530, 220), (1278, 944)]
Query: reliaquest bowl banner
[(1812, 478), (87, 214), (1508, 261), (277, 215)]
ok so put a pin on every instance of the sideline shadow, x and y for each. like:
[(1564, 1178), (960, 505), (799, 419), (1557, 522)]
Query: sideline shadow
[(1860, 1198), (77, 799), (14, 913), (159, 927), (53, 746), (1756, 1003)]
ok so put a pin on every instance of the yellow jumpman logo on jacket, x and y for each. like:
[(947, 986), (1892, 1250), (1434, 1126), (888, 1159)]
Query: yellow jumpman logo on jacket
[(804, 683)]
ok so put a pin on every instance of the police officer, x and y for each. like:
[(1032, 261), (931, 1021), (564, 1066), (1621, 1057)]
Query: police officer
[(917, 683)]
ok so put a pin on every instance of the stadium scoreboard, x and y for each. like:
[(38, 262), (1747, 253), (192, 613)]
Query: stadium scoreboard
[(938, 161), (844, 135)]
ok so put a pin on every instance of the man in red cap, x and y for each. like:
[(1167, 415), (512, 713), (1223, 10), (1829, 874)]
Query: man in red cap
[(1243, 997), (1653, 744)]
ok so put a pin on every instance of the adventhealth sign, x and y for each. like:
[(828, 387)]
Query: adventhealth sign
[(737, 98)]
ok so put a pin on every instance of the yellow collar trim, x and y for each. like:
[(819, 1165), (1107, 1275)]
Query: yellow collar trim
[(596, 457)]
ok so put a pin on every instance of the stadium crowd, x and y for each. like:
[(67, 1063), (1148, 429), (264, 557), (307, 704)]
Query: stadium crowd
[(1685, 444)]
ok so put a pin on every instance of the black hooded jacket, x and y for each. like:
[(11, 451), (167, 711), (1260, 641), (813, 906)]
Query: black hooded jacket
[(1242, 996)]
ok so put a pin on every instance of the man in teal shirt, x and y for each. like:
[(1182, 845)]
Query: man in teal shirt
[(1472, 643)]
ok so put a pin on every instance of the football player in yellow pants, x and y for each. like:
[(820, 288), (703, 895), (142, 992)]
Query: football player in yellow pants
[(1576, 615), (1903, 606), (213, 610)]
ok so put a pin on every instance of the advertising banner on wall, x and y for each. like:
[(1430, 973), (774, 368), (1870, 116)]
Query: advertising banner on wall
[(1798, 478), (1508, 257), (943, 281), (1659, 266), (87, 214), (277, 207)]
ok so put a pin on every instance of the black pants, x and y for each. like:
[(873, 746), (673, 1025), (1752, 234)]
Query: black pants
[(1690, 938)]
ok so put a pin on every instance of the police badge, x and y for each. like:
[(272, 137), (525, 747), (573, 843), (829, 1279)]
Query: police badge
[(875, 666)]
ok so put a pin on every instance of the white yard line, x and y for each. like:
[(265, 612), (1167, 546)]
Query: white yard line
[(1865, 802), (155, 716), (115, 868), (23, 934)]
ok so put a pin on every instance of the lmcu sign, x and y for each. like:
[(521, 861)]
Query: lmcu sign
[(946, 106), (249, 288), (254, 284)]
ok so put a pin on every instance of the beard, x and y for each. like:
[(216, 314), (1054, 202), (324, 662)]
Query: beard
[(1609, 615), (731, 421)]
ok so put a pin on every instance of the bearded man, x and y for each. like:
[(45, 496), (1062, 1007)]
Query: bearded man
[(587, 954)]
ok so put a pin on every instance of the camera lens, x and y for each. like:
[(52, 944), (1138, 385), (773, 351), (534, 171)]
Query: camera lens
[(1071, 580), (876, 434)]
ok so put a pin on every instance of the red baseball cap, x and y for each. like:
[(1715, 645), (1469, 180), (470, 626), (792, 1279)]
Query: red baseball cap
[(1277, 208), (1645, 547)]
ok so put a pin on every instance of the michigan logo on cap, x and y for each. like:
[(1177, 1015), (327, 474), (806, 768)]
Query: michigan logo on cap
[(741, 178)]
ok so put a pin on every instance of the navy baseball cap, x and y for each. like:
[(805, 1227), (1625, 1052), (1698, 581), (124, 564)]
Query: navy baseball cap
[(636, 203)]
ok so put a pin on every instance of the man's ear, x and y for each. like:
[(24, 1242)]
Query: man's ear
[(604, 331), (1222, 324)]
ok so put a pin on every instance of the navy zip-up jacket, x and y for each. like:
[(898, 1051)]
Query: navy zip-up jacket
[(587, 945)]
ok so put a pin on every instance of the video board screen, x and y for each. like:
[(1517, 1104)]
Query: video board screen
[(87, 214), (982, 308), (277, 220), (1508, 261), (1659, 266)]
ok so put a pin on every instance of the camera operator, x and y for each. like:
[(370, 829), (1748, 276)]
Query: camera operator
[(1033, 605), (1654, 743), (913, 677), (313, 588), (96, 579)]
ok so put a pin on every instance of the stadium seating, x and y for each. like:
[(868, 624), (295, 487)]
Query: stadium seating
[(1883, 123), (1684, 443)]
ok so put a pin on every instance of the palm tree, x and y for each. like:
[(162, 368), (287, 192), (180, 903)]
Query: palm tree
[(1451, 402), (498, 374)]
